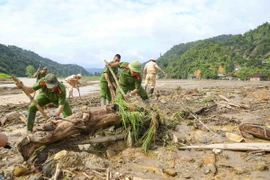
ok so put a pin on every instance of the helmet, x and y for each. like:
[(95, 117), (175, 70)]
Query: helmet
[(80, 75), (135, 66), (51, 81), (152, 59)]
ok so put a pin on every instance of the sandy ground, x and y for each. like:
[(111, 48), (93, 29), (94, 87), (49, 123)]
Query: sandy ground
[(18, 97)]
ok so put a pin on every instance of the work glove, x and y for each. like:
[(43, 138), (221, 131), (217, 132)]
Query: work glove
[(19, 84)]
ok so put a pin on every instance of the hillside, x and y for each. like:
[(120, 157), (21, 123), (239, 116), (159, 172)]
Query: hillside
[(94, 71), (249, 52), (14, 60)]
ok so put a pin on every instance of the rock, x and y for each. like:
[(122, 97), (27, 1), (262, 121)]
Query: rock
[(234, 137), (171, 163), (170, 172), (212, 168), (261, 166), (163, 101), (217, 151), (84, 147), (19, 170), (210, 159), (60, 154), (110, 153)]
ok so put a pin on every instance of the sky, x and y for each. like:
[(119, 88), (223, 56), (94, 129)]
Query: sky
[(85, 32)]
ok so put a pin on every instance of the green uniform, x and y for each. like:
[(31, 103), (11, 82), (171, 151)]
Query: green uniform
[(104, 89), (46, 96), (41, 75), (128, 82)]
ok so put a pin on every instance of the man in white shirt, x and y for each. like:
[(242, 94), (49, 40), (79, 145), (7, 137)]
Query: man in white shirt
[(71, 82), (149, 72)]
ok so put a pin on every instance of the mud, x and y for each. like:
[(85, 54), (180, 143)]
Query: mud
[(220, 105)]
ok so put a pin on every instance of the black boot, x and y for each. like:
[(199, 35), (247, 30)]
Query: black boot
[(151, 90)]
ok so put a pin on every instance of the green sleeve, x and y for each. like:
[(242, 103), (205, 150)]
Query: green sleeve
[(123, 65), (106, 70), (37, 86)]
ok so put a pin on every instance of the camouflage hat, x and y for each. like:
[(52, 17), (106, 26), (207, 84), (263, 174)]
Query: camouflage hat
[(135, 66), (45, 68), (51, 81)]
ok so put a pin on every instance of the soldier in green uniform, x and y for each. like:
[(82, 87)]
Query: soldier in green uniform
[(40, 73), (52, 91), (130, 80), (107, 81)]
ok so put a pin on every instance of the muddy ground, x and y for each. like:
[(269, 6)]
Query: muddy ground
[(220, 105)]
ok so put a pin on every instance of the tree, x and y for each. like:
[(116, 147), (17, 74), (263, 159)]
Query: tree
[(30, 70)]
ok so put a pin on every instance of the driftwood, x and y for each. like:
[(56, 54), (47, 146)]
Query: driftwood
[(249, 130), (235, 146), (53, 130), (229, 103)]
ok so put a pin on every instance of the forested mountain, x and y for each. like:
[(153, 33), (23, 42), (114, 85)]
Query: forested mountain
[(14, 60), (239, 54)]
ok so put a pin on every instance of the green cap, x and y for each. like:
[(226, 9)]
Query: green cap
[(135, 66), (45, 68), (51, 81)]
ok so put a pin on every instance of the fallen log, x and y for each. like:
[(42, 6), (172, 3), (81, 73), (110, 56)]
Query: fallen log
[(235, 146), (54, 130), (249, 130)]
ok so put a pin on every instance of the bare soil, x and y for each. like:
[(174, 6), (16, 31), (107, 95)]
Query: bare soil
[(220, 105)]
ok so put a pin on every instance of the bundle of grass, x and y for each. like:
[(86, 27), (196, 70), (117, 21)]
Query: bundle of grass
[(140, 123)]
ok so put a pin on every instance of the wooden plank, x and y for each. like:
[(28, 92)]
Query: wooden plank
[(234, 146)]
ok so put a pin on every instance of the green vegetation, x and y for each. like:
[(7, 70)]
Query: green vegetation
[(14, 60), (2, 75), (241, 55), (30, 70)]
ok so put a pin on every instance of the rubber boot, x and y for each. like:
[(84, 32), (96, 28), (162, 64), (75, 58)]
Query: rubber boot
[(30, 121), (102, 102), (151, 90), (145, 87), (107, 102)]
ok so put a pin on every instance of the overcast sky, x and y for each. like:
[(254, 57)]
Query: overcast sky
[(86, 32)]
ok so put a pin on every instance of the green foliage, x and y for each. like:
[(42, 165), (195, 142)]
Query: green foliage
[(141, 128), (249, 51), (30, 70), (14, 60), (2, 75)]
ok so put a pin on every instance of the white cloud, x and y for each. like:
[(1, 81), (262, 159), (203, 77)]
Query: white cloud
[(87, 31)]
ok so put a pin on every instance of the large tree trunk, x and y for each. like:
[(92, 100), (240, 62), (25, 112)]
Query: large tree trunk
[(87, 121)]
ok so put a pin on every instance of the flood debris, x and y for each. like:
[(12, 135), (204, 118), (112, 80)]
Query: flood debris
[(177, 128), (235, 147), (254, 130)]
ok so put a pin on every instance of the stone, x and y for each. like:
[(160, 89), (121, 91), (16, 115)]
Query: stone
[(234, 137), (170, 172), (110, 153), (19, 170), (60, 154), (260, 166), (217, 151)]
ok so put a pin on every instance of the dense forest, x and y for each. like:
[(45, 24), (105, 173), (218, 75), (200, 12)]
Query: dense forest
[(14, 60), (240, 55)]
